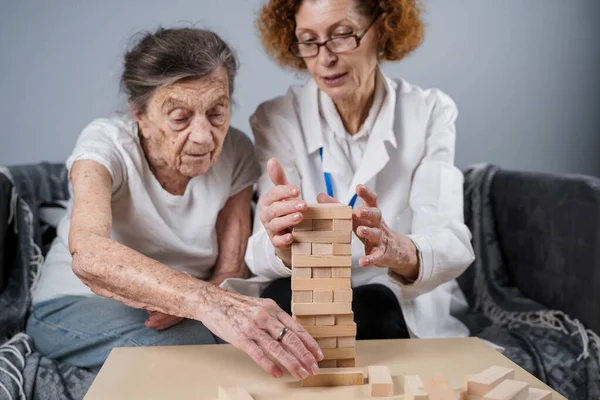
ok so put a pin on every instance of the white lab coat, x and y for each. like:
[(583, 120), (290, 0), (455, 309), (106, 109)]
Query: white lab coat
[(408, 161)]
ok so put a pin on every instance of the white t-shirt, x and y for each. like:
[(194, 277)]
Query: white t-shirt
[(179, 231)]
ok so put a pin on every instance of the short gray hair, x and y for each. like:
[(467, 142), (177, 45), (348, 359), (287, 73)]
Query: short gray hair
[(169, 55)]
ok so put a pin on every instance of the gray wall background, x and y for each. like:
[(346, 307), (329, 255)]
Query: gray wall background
[(525, 74)]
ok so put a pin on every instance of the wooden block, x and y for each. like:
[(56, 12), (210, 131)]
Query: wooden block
[(322, 224), (322, 237), (413, 388), (380, 381), (328, 211), (321, 296), (346, 341), (332, 331), (305, 320), (438, 388), (327, 343), (301, 248), (539, 394), (321, 308), (322, 248), (344, 319), (321, 284), (321, 272), (341, 224), (302, 296), (327, 364), (325, 320), (304, 225), (342, 296), (348, 363), (339, 354), (335, 377), (481, 383), (341, 249), (233, 393), (321, 260), (509, 390), (301, 272), (341, 272)]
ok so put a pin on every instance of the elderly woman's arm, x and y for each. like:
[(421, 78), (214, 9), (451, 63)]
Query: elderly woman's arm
[(116, 271), (233, 230)]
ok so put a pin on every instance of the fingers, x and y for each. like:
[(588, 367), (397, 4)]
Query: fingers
[(279, 353), (260, 357), (292, 343), (276, 173), (368, 216), (368, 195), (281, 209), (307, 340), (278, 193), (372, 259), (324, 198), (160, 321), (372, 235)]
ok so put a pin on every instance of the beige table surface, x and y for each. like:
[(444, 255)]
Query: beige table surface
[(195, 372)]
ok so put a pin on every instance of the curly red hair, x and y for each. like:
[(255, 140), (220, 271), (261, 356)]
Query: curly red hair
[(402, 28)]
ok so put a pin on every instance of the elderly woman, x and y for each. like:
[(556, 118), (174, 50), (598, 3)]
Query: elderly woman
[(381, 145), (159, 217)]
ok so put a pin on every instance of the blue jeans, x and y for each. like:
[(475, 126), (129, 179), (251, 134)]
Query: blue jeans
[(82, 330)]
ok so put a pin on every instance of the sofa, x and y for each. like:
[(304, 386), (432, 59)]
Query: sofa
[(533, 288)]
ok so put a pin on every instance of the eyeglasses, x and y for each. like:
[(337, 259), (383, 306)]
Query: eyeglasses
[(336, 45)]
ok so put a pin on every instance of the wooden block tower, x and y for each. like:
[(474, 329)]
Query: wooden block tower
[(321, 290)]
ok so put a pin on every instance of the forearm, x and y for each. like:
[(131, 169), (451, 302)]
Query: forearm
[(233, 231), (115, 271)]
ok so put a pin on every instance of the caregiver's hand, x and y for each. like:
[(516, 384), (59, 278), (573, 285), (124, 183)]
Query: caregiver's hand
[(280, 210), (383, 247), (253, 325)]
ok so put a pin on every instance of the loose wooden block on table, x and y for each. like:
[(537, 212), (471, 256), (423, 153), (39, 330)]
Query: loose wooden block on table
[(332, 331), (321, 284), (328, 211), (509, 390), (438, 388), (322, 236), (182, 372), (233, 393), (380, 381), (321, 308), (335, 377), (413, 388), (539, 394), (321, 260), (481, 383)]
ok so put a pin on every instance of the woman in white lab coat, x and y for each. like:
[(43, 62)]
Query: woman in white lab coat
[(384, 146)]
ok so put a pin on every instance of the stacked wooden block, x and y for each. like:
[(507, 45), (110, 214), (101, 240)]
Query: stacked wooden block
[(321, 289)]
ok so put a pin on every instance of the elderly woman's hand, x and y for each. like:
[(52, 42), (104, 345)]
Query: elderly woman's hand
[(253, 325), (280, 211), (383, 247)]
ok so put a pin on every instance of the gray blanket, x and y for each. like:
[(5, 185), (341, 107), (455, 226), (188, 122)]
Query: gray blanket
[(25, 373), (549, 344)]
